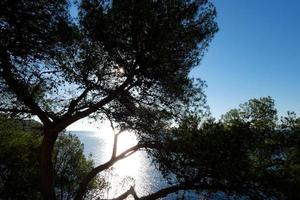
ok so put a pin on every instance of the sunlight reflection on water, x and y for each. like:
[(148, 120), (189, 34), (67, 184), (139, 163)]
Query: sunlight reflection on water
[(137, 169)]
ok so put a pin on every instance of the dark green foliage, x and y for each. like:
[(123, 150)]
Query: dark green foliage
[(19, 175), (261, 114), (248, 152), (71, 166), (158, 39), (18, 162), (31, 28)]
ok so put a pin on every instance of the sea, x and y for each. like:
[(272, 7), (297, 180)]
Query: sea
[(137, 170)]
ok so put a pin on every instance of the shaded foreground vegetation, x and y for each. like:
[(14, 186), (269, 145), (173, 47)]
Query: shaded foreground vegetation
[(128, 62), (19, 149), (248, 153)]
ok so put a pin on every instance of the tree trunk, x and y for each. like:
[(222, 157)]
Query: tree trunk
[(46, 166)]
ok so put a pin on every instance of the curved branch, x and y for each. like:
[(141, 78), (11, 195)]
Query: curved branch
[(129, 192), (156, 195), (169, 190), (115, 144), (86, 180)]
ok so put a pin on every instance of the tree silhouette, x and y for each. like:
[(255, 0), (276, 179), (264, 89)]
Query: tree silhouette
[(246, 153), (119, 60)]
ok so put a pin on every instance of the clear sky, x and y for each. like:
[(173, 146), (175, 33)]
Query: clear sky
[(255, 53)]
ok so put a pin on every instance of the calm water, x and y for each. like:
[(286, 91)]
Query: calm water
[(136, 170)]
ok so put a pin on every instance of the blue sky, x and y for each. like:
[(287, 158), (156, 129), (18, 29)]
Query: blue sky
[(256, 53)]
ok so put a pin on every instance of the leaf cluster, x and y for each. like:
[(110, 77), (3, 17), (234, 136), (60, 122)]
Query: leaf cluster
[(19, 174), (247, 152)]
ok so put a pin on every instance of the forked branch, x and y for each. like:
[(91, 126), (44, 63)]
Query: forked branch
[(93, 173)]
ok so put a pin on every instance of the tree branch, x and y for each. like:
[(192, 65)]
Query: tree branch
[(129, 192), (75, 102), (66, 119), (86, 180), (115, 144), (20, 89), (159, 194), (169, 190)]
